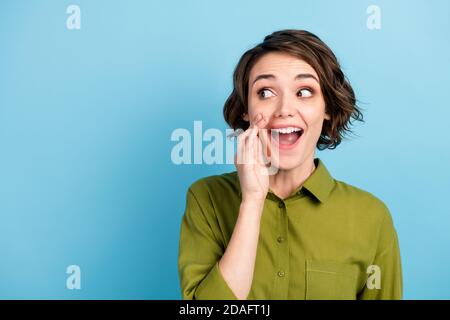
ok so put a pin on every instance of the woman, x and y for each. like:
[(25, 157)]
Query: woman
[(297, 233)]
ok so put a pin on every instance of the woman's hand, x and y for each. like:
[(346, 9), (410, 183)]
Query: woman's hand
[(249, 160)]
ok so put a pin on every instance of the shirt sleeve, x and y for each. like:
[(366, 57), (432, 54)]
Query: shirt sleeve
[(199, 255), (387, 261)]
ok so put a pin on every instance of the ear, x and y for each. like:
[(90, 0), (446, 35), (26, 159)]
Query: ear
[(327, 116), (245, 117)]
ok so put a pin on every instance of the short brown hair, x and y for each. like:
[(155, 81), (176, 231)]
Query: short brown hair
[(340, 101)]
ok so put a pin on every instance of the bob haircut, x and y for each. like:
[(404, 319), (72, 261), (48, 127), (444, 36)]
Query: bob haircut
[(340, 101)]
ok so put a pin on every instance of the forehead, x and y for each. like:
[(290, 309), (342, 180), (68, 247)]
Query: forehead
[(281, 65)]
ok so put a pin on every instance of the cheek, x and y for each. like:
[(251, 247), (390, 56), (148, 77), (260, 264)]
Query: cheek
[(254, 103), (314, 118), (255, 106), (252, 106)]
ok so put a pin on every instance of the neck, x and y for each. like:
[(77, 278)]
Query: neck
[(284, 182)]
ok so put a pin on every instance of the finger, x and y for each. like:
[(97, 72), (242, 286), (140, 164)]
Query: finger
[(260, 152), (263, 161), (265, 142), (241, 139), (247, 149), (261, 122), (240, 148), (252, 139), (264, 136), (243, 147), (258, 118)]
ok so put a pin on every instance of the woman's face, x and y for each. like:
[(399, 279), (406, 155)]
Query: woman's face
[(286, 90)]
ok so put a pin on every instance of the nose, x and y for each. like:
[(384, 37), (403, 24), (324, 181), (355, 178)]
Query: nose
[(285, 108)]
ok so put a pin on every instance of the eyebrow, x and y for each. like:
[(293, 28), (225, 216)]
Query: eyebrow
[(297, 77)]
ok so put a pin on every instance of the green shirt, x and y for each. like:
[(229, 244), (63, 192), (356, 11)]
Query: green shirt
[(318, 243)]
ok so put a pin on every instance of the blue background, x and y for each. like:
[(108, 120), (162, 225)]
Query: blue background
[(86, 117)]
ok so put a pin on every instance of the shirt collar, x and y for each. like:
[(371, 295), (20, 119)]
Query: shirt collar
[(319, 183)]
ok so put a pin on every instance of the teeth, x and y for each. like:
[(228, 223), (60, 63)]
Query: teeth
[(287, 130)]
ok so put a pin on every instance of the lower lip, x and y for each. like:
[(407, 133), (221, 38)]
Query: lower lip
[(287, 146)]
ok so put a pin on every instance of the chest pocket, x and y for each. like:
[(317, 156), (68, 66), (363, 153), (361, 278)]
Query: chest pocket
[(330, 281)]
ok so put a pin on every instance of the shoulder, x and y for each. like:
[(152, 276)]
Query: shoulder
[(217, 197), (224, 183), (368, 212), (363, 201)]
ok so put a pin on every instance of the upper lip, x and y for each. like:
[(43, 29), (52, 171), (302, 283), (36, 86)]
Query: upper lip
[(285, 125)]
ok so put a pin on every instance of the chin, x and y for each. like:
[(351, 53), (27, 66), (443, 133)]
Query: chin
[(287, 163)]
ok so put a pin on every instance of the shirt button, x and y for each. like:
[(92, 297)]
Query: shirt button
[(280, 239), (281, 273), (280, 204)]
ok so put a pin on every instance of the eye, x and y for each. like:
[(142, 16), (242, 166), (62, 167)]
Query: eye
[(305, 93), (265, 93)]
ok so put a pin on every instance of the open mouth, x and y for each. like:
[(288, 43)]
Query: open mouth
[(286, 138)]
